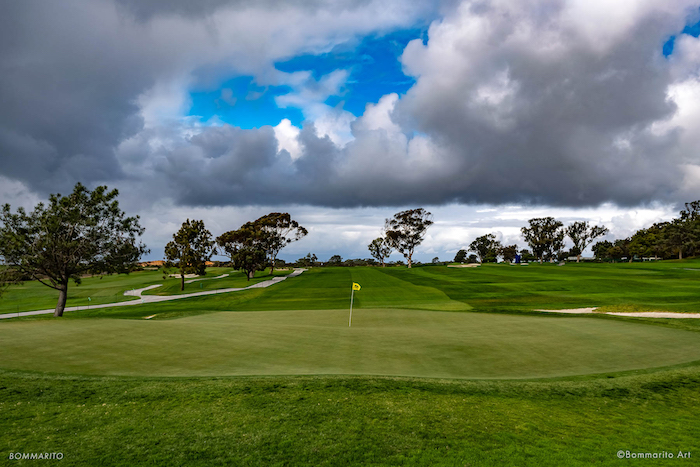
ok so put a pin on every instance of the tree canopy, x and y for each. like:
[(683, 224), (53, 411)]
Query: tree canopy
[(406, 230), (545, 236), (380, 249), (486, 247), (190, 249), (82, 233), (281, 230), (582, 234), (461, 256), (509, 252), (247, 247)]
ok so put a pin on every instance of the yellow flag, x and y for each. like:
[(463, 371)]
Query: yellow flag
[(355, 286)]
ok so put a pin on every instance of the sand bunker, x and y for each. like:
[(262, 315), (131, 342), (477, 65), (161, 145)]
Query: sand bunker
[(640, 314)]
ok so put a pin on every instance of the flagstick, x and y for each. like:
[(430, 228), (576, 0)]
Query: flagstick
[(352, 295)]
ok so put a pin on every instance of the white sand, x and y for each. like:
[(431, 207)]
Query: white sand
[(571, 310), (640, 314), (658, 314)]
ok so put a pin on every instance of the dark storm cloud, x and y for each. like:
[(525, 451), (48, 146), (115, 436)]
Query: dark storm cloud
[(512, 103), (145, 10), (571, 128), (73, 74), (67, 94)]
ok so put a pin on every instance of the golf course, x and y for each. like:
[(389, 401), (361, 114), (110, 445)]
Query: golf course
[(442, 366)]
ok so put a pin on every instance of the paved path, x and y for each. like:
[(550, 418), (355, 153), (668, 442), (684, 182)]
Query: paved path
[(140, 299), (206, 278)]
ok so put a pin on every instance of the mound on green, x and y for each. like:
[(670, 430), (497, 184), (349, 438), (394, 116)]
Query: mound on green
[(381, 342)]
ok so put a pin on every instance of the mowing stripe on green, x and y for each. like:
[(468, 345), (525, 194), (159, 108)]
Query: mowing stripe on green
[(381, 342)]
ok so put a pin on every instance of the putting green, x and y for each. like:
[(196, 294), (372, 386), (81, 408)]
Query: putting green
[(381, 342)]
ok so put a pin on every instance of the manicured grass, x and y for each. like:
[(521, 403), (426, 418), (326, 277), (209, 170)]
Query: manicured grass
[(31, 295), (235, 279), (340, 421), (660, 286), (611, 383), (381, 342)]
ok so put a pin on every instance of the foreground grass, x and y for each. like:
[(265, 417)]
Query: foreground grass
[(349, 420)]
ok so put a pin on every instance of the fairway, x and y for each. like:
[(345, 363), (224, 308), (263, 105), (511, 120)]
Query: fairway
[(381, 342)]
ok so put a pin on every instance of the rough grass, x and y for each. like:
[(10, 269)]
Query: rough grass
[(340, 421)]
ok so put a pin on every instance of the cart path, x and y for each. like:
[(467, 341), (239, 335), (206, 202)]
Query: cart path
[(141, 299)]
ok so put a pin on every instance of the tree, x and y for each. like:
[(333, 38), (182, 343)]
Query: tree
[(190, 249), (461, 256), (649, 242), (508, 253), (247, 247), (82, 233), (582, 234), (621, 250), (335, 260), (545, 236), (601, 250), (282, 230), (486, 247), (683, 234), (380, 249), (525, 255), (308, 260), (406, 230)]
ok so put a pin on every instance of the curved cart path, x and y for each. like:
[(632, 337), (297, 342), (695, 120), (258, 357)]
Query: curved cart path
[(140, 299)]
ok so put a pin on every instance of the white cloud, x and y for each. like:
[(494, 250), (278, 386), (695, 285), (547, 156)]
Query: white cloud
[(287, 137)]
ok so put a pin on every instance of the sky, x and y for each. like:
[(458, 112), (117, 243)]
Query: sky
[(486, 113)]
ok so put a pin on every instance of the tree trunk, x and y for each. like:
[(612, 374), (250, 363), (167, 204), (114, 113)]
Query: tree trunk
[(182, 281), (272, 265), (251, 274), (383, 265), (62, 297), (409, 261), (578, 258), (680, 254)]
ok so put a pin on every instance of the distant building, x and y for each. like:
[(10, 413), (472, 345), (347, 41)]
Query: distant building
[(160, 263)]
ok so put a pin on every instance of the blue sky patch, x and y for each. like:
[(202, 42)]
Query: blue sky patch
[(374, 71), (373, 63), (241, 102), (690, 29)]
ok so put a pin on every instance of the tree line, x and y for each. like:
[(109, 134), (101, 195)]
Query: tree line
[(86, 232), (678, 238), (545, 236), (252, 247)]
